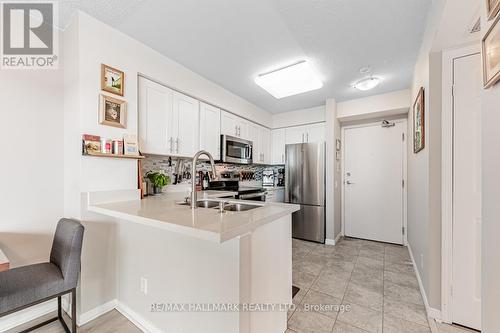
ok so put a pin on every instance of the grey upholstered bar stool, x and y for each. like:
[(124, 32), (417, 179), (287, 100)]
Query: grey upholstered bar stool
[(26, 286)]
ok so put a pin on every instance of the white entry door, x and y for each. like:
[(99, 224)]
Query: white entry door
[(466, 309), (373, 182)]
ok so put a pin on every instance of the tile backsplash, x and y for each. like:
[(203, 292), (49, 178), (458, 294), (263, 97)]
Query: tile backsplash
[(168, 166)]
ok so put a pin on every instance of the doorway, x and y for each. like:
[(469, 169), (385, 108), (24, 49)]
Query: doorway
[(462, 190), (374, 177)]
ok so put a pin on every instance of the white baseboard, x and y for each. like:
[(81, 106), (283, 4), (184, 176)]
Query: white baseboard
[(144, 325), (433, 314), (333, 241), (27, 315), (88, 316)]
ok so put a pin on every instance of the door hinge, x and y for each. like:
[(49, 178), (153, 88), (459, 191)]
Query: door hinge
[(403, 135), (453, 90), (403, 183), (403, 230)]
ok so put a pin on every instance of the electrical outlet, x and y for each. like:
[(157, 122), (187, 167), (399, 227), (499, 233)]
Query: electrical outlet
[(422, 261), (144, 285)]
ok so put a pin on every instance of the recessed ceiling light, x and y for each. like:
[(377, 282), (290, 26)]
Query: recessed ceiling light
[(367, 84), (290, 80)]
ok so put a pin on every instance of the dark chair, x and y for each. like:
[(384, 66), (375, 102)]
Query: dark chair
[(26, 286)]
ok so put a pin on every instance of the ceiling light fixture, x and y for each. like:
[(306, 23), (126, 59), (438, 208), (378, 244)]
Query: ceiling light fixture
[(367, 84), (290, 80)]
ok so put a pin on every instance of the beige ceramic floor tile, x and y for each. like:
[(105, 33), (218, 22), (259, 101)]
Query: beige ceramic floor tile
[(395, 325), (331, 284), (362, 317), (361, 295), (402, 294), (340, 327), (322, 303), (407, 311), (303, 280), (402, 279), (310, 322)]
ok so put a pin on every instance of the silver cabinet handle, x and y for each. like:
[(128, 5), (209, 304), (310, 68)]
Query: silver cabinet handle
[(239, 131), (235, 130), (282, 158), (177, 145), (307, 136), (302, 137), (171, 141)]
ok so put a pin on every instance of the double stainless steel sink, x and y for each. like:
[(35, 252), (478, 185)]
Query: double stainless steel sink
[(230, 207)]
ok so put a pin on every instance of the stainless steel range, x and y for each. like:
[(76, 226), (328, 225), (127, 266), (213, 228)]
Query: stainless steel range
[(244, 193)]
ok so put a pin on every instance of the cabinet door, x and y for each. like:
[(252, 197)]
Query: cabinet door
[(155, 112), (229, 124), (243, 128), (210, 129), (265, 145), (315, 133), (296, 134), (186, 116), (253, 135), (278, 138)]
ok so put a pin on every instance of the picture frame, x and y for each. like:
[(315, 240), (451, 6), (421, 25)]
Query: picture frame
[(112, 80), (419, 122), (112, 112), (490, 52), (492, 7)]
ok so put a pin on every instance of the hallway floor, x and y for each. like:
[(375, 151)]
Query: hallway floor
[(375, 280)]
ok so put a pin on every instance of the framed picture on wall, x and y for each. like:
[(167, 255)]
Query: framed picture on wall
[(112, 112), (112, 80), (419, 122), (492, 6), (491, 55)]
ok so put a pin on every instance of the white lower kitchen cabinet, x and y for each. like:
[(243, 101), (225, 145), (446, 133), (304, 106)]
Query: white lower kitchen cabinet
[(278, 146), (210, 129)]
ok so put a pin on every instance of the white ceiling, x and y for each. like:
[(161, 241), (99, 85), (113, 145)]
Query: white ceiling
[(232, 41)]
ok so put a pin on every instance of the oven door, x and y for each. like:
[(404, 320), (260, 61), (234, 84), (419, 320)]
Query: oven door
[(258, 196), (236, 150)]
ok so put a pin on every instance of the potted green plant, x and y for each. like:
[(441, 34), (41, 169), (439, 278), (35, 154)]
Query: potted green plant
[(158, 180)]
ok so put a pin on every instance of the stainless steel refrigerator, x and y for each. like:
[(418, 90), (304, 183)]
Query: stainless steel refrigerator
[(305, 185)]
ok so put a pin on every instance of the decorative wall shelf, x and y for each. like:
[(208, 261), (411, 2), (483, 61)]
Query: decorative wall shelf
[(115, 156)]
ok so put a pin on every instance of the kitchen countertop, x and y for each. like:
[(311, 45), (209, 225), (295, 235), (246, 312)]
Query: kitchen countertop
[(163, 211)]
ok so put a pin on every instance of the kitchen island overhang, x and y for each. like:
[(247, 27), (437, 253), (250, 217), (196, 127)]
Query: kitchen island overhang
[(200, 258)]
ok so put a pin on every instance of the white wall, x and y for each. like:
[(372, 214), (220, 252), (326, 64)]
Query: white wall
[(424, 220), (299, 117), (333, 177), (491, 208), (383, 105), (31, 123)]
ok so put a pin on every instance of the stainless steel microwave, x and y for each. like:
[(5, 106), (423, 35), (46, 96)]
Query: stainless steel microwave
[(236, 150)]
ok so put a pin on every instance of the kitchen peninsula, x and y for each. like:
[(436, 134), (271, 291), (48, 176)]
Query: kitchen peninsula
[(170, 255)]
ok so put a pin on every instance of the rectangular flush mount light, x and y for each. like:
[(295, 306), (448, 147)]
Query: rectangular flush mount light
[(291, 80)]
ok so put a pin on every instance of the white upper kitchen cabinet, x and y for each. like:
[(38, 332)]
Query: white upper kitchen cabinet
[(265, 145), (185, 125), (210, 122), (234, 126), (305, 134), (296, 134), (316, 132), (278, 140), (155, 112)]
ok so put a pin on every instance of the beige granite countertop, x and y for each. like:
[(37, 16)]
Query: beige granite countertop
[(163, 211)]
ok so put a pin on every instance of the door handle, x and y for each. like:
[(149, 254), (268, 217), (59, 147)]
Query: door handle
[(348, 182)]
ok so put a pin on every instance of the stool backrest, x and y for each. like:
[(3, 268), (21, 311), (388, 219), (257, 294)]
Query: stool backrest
[(67, 249)]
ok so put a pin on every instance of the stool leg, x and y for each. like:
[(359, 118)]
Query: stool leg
[(73, 310), (59, 311)]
